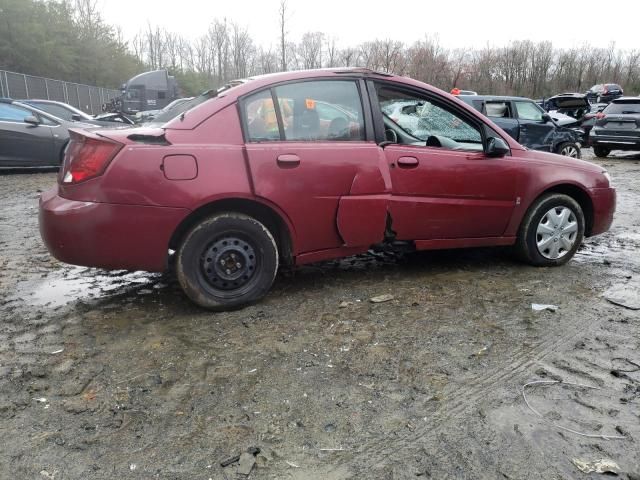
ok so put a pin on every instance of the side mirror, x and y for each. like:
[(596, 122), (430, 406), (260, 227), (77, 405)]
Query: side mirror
[(32, 120), (76, 117), (496, 147), (546, 118)]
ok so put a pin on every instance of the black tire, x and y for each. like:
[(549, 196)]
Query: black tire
[(569, 149), (227, 261), (527, 243), (601, 152)]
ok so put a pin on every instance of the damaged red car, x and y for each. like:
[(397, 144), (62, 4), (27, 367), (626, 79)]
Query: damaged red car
[(299, 167)]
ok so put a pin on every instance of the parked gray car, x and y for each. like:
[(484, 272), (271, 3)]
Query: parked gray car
[(30, 137), (72, 114)]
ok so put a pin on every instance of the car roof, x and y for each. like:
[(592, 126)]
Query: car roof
[(242, 87), (626, 100), (568, 95), (494, 97)]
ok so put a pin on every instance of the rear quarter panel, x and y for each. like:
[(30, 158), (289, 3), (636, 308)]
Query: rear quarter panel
[(135, 176)]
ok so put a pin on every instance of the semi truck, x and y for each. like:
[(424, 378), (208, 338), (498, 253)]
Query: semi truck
[(152, 90)]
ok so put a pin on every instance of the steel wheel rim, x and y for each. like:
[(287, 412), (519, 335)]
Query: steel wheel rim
[(569, 151), (556, 233), (229, 263)]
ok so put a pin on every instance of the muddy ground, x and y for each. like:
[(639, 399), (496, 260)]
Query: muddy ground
[(109, 375)]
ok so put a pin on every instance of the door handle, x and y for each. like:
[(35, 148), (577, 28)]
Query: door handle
[(288, 160), (408, 162)]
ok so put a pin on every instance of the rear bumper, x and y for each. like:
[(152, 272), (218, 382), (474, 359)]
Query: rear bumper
[(604, 206), (616, 142), (104, 235)]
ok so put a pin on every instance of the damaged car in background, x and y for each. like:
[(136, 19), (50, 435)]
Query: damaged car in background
[(573, 110), (529, 124), (301, 167), (617, 127)]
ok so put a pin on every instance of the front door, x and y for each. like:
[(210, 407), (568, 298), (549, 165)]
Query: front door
[(23, 144), (443, 185), (535, 132), (308, 153)]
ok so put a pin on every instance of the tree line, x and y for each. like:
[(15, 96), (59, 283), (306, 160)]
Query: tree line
[(94, 52), (65, 40)]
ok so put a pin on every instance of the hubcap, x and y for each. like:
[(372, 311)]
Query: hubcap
[(569, 151), (556, 233), (228, 263)]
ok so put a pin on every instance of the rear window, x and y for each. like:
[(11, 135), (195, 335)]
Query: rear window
[(623, 108), (498, 109)]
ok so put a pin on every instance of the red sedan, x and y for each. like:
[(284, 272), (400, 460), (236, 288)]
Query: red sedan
[(304, 166)]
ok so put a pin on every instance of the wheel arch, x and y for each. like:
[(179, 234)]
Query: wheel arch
[(268, 215), (579, 194)]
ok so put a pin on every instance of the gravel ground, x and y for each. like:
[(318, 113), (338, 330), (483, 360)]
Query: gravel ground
[(113, 375)]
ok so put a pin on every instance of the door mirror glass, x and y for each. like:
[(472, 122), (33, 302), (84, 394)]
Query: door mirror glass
[(497, 147), (32, 120)]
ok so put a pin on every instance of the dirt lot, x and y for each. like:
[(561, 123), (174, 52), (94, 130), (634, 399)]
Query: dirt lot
[(109, 375)]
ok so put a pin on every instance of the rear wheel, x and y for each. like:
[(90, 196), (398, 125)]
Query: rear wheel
[(569, 149), (226, 261), (551, 231), (601, 152)]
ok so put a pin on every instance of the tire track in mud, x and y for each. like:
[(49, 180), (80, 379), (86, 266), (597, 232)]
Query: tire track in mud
[(377, 452)]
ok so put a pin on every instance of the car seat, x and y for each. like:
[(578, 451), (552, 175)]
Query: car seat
[(338, 129), (306, 122)]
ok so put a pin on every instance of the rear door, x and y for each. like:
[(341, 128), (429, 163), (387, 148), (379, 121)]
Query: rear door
[(309, 153), (23, 144), (535, 132), (501, 112), (443, 185)]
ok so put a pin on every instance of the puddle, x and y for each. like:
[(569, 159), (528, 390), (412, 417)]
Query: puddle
[(80, 283)]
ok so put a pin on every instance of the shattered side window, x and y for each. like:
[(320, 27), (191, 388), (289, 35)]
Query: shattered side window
[(498, 109), (528, 111)]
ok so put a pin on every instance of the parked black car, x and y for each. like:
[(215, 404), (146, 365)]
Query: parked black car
[(30, 137), (617, 127), (604, 92), (72, 114), (528, 123)]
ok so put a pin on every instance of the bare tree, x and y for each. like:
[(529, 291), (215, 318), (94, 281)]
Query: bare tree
[(310, 50), (282, 15)]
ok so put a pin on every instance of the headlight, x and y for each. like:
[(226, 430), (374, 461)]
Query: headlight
[(608, 177)]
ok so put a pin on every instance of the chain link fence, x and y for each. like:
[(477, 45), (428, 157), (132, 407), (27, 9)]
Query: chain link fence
[(85, 97)]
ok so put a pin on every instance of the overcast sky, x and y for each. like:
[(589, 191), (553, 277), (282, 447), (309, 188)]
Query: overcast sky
[(457, 23)]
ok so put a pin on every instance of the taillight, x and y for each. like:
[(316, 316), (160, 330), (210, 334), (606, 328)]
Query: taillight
[(600, 115), (87, 157), (605, 90)]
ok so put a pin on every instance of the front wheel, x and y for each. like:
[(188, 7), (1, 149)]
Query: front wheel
[(569, 149), (601, 152), (227, 261), (551, 231)]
